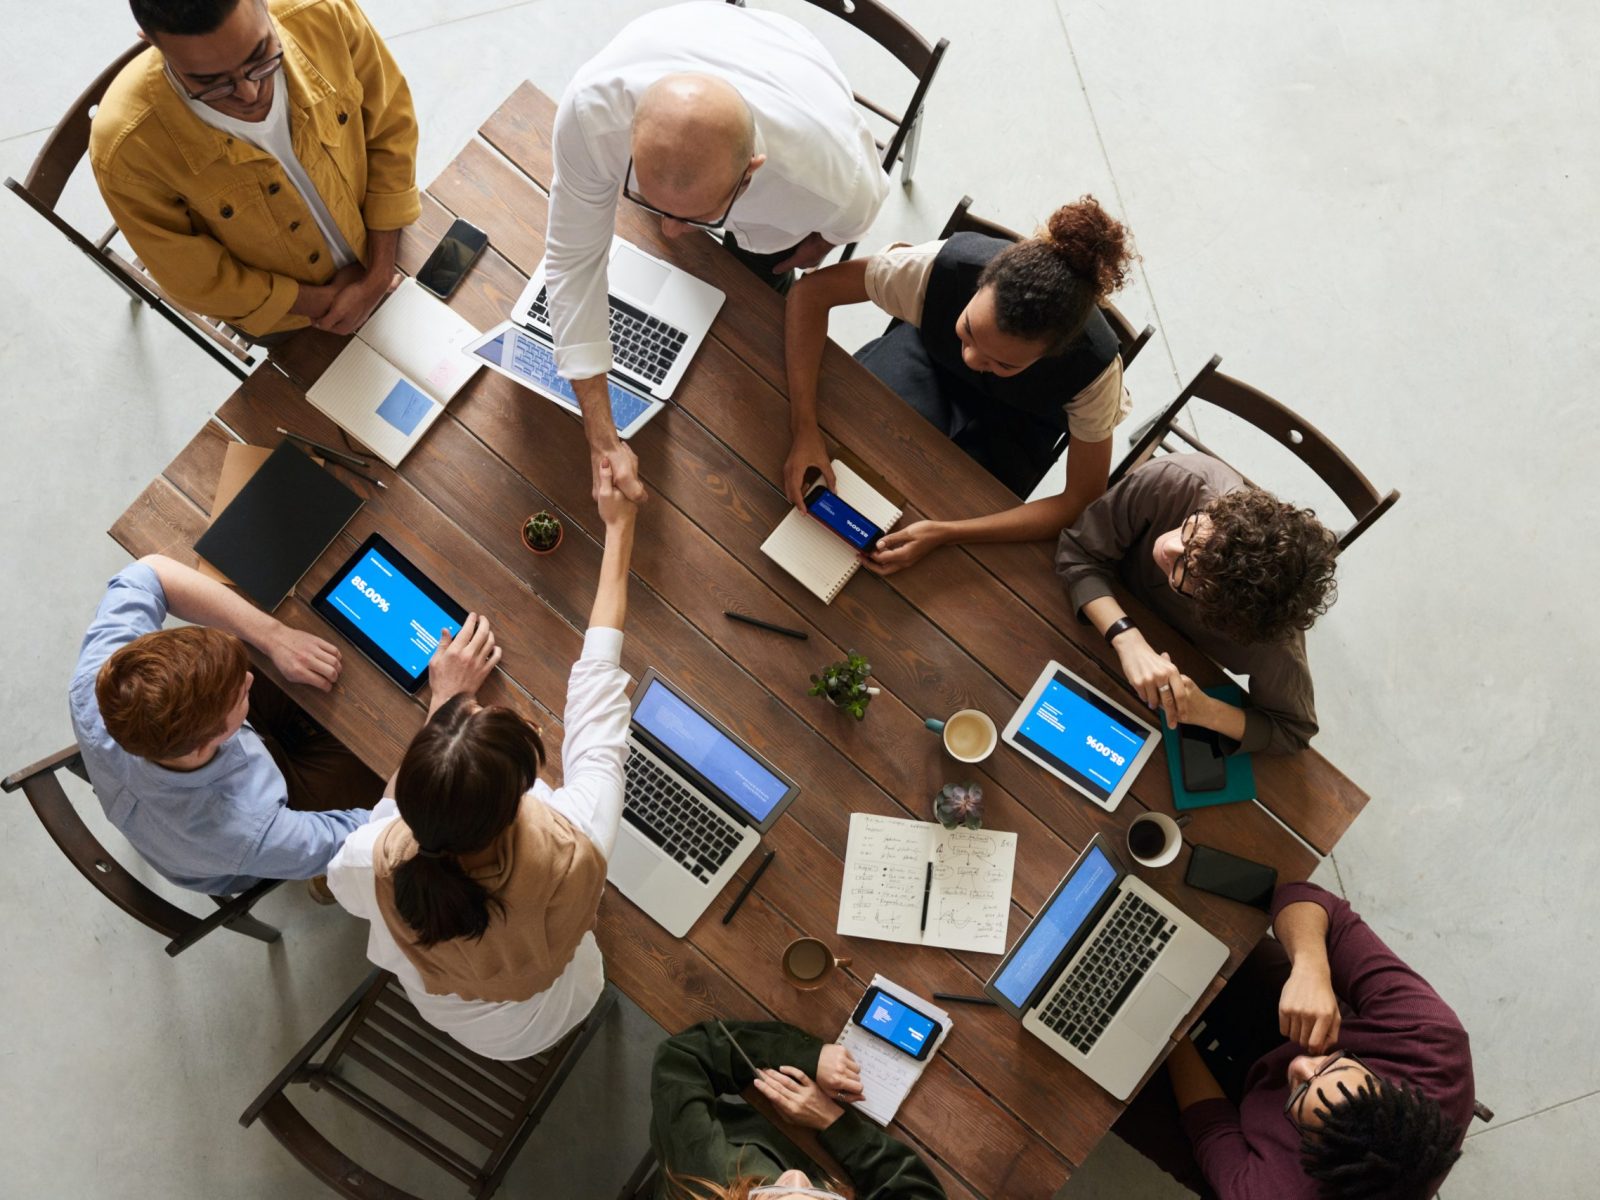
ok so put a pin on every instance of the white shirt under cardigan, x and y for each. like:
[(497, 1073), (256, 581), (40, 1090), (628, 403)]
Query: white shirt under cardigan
[(823, 172), (591, 796)]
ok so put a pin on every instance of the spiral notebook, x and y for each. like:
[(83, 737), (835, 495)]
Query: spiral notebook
[(816, 556), (887, 1075)]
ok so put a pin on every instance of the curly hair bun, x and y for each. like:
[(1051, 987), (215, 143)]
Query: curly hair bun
[(1092, 242)]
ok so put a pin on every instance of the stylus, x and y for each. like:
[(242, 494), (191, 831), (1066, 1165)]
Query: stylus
[(927, 890), (748, 884), (962, 999), (338, 456), (768, 625)]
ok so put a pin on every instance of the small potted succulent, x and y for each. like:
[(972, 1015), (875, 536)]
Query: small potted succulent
[(542, 532), (844, 685), (959, 804)]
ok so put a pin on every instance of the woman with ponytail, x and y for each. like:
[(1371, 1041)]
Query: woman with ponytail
[(1000, 345), (480, 881)]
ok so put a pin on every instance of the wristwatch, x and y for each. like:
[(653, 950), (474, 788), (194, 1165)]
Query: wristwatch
[(1118, 627)]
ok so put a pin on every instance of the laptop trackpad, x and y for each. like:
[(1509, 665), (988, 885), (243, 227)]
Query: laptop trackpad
[(1156, 1010), (638, 278)]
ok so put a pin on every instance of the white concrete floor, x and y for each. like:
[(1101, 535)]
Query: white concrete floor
[(1380, 213)]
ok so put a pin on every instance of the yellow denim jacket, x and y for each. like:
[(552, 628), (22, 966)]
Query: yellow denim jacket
[(215, 220)]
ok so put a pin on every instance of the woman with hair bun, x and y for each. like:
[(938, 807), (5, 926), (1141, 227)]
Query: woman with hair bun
[(1001, 345), (480, 881)]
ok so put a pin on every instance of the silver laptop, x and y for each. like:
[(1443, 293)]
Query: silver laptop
[(1105, 971), (698, 801), (659, 316)]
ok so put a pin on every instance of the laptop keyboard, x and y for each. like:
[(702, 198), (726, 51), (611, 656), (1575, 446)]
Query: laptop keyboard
[(645, 345), (676, 819), (1100, 981)]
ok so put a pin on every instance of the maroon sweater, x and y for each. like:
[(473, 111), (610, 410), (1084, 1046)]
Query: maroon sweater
[(1392, 1020)]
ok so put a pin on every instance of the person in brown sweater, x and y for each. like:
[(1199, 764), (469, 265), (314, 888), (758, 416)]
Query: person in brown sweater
[(1234, 569)]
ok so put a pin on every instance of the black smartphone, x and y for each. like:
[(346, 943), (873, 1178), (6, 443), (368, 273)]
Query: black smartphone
[(838, 516), (1230, 876), (896, 1022), (452, 258), (1205, 767)]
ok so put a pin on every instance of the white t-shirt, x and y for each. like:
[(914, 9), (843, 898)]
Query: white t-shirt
[(272, 135), (591, 796)]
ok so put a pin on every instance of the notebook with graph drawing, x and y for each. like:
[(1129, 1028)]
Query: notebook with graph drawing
[(393, 379), (816, 556)]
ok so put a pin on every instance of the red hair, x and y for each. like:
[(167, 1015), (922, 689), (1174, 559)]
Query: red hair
[(168, 693)]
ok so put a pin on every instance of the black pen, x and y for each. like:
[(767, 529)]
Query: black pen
[(801, 634), (962, 999), (338, 456), (748, 884), (927, 889)]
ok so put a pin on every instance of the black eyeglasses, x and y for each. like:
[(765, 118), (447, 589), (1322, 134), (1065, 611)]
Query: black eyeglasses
[(1180, 569), (255, 74), (632, 193), (1340, 1058)]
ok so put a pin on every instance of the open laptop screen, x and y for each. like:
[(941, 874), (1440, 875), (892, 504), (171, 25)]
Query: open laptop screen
[(720, 761), (1041, 946)]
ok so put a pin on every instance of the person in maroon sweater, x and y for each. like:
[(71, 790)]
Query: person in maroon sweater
[(1327, 1069)]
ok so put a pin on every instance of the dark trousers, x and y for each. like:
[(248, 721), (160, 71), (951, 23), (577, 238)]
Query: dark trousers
[(320, 772), (1016, 447), (761, 264), (1236, 1029)]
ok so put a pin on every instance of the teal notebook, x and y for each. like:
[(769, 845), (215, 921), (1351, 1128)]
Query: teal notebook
[(1241, 783)]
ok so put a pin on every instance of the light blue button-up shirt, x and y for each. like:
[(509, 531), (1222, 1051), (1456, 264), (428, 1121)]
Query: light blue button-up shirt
[(217, 829)]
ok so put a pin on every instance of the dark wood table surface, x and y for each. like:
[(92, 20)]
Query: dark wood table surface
[(997, 1112)]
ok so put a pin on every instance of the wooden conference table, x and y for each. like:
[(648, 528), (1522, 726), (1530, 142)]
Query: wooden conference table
[(997, 1112)]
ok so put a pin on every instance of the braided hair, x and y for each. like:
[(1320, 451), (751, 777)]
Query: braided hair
[(1381, 1143)]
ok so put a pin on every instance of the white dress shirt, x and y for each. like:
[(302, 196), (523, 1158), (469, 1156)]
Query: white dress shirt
[(823, 173), (591, 798)]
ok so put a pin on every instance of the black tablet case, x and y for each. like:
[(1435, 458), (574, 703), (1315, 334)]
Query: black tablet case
[(277, 526)]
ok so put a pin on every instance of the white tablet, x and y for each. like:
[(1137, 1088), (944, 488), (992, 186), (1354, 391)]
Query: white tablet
[(517, 354), (1082, 736)]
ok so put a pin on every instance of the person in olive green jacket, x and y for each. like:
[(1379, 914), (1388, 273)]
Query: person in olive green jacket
[(711, 1147), (260, 158)]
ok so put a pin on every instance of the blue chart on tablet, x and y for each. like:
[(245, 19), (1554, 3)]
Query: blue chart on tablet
[(399, 618), (1081, 735)]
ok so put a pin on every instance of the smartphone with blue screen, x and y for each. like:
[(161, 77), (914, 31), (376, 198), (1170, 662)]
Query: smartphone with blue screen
[(843, 520), (896, 1022)]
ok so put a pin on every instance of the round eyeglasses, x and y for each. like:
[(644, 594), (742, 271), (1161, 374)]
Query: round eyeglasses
[(254, 73), (1180, 569)]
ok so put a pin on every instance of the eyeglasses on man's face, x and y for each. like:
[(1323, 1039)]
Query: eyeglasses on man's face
[(254, 72), (1337, 1060), (1180, 569), (632, 193)]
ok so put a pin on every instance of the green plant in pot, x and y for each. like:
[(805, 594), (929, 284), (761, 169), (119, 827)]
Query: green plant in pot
[(959, 804), (844, 685), (541, 532)]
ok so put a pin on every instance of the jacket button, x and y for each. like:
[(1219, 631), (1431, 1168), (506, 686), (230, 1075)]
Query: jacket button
[(272, 189), (293, 225), (315, 254), (227, 211), (343, 117)]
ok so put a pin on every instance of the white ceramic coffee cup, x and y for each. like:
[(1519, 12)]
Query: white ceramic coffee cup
[(956, 730), (1171, 843)]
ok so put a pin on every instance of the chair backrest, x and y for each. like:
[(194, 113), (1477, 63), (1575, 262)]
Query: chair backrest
[(1129, 340), (39, 783), (387, 1054), (1302, 439)]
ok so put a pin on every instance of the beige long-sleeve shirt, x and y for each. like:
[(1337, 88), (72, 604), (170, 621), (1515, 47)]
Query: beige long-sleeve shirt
[(1115, 537)]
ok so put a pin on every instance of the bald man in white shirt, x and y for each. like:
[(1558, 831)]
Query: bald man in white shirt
[(715, 118)]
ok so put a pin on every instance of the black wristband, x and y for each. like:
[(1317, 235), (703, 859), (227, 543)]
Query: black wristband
[(1120, 626)]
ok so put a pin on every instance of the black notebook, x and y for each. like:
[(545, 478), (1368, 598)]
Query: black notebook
[(277, 526)]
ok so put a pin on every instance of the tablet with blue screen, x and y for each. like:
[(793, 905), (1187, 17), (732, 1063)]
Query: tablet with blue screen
[(515, 353), (1082, 736), (390, 610)]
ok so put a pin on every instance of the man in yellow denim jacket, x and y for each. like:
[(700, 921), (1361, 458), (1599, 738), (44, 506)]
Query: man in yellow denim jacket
[(260, 158)]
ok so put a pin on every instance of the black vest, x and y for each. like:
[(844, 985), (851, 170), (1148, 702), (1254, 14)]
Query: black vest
[(1042, 390)]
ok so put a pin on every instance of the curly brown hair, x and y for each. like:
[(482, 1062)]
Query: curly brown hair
[(166, 694), (1046, 286), (1263, 570)]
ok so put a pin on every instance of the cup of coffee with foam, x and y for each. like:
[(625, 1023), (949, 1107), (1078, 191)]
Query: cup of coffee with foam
[(808, 961), (969, 735), (1154, 839)]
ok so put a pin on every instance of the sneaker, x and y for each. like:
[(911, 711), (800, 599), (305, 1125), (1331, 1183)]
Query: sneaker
[(318, 887)]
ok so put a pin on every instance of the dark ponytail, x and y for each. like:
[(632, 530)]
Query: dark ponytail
[(1046, 287), (459, 787)]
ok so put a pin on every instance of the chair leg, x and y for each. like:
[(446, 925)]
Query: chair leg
[(643, 1175), (908, 160)]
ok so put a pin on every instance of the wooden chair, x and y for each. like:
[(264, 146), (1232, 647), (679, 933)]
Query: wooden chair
[(1307, 443), (41, 189), (1130, 341), (915, 54), (641, 1184), (495, 1104), (66, 828)]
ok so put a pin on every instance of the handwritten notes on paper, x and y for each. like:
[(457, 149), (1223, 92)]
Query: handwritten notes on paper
[(886, 865)]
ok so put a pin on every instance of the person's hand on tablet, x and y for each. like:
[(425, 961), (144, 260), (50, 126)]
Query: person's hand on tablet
[(462, 662), (304, 658)]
